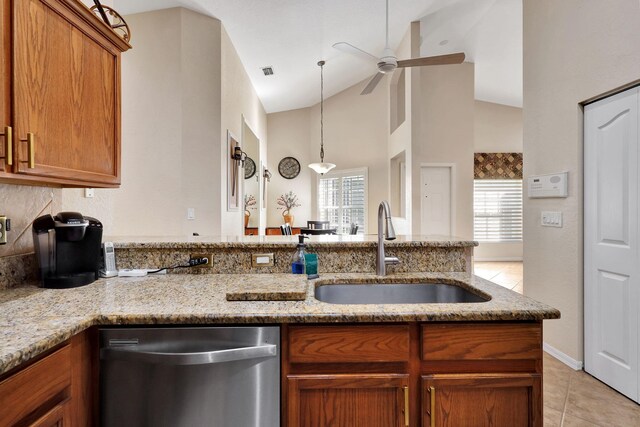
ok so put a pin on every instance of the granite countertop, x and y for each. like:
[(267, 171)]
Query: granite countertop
[(33, 320), (342, 241)]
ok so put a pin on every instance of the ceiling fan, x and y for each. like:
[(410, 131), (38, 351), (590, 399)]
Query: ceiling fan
[(388, 61)]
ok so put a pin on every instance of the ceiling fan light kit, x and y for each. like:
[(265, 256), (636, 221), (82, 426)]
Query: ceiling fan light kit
[(322, 167), (388, 61)]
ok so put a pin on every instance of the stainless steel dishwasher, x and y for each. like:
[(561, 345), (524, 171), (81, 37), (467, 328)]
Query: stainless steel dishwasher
[(200, 376)]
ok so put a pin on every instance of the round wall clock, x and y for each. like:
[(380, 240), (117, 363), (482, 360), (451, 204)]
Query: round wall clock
[(249, 168), (289, 167)]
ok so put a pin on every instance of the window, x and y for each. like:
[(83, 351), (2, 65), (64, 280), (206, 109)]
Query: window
[(342, 199), (497, 210)]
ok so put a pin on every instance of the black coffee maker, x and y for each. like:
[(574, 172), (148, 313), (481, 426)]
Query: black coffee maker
[(68, 249)]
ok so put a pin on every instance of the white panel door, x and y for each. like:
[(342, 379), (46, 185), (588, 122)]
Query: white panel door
[(435, 182), (611, 267)]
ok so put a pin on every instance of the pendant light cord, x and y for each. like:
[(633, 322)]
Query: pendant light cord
[(386, 44), (321, 64)]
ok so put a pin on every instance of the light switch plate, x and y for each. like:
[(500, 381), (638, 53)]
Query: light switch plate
[(262, 260), (551, 219)]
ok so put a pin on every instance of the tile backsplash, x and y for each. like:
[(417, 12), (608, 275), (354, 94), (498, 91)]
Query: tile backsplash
[(22, 204)]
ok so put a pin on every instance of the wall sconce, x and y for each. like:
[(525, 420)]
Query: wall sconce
[(238, 156), (266, 177)]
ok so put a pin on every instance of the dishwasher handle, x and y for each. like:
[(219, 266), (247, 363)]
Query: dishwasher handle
[(130, 354)]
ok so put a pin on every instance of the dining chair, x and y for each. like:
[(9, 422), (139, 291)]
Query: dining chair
[(354, 229), (318, 225), (286, 229)]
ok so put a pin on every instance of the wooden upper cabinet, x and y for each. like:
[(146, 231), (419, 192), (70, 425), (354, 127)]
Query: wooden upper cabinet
[(5, 88), (66, 95)]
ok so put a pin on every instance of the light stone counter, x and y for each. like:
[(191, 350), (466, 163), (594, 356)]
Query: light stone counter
[(33, 320)]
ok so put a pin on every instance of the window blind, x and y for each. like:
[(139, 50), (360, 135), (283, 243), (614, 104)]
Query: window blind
[(342, 200), (497, 210)]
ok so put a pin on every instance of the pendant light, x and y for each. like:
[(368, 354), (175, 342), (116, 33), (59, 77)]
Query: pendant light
[(322, 167)]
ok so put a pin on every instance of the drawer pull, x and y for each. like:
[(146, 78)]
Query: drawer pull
[(406, 406), (432, 394), (31, 140), (8, 137)]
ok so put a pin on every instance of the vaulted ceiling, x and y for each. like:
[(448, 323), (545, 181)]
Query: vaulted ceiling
[(292, 35)]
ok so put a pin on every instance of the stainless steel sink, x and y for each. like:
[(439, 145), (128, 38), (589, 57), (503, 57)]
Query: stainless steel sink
[(396, 293)]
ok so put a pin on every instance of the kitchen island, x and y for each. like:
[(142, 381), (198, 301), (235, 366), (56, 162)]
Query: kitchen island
[(483, 353)]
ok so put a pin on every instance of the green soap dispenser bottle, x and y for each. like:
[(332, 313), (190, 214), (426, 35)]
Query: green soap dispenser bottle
[(298, 263)]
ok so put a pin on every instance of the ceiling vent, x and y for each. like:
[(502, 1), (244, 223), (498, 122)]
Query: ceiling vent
[(268, 71)]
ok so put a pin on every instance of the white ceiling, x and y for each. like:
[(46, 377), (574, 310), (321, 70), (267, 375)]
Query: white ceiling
[(292, 35)]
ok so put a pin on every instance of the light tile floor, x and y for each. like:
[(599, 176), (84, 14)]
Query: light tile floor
[(571, 398)]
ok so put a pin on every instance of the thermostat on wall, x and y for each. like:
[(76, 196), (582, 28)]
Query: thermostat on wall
[(551, 185)]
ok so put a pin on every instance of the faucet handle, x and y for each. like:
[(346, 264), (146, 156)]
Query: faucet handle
[(391, 260)]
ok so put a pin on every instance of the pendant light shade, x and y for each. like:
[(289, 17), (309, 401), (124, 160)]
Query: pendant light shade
[(322, 167)]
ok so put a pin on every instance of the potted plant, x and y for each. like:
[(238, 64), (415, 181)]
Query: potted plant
[(286, 202), (249, 203)]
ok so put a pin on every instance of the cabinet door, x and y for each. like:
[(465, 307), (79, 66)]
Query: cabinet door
[(58, 416), (368, 400), (501, 400), (5, 85), (66, 94)]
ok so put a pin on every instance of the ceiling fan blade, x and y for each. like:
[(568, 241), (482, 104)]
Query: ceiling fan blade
[(454, 58), (352, 50), (372, 84)]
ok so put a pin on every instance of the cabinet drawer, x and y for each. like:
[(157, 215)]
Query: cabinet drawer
[(466, 341), (26, 392), (330, 344)]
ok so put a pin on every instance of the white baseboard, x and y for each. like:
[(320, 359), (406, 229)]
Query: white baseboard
[(574, 364), (497, 259)]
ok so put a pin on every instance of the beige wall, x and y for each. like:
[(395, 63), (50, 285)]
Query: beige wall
[(444, 134), (573, 50), (290, 135), (498, 129), (355, 136), (239, 99), (400, 140)]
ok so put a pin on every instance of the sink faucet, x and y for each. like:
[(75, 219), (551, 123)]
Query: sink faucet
[(389, 234)]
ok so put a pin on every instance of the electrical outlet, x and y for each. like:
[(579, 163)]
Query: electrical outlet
[(209, 258), (262, 260), (4, 227)]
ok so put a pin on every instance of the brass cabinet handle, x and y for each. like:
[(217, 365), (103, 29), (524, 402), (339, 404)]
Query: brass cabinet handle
[(31, 141), (406, 406), (8, 137), (432, 393)]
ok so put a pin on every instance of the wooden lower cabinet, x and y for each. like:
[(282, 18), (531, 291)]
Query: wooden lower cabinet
[(453, 374), (477, 400), (58, 416), (361, 400), (59, 389)]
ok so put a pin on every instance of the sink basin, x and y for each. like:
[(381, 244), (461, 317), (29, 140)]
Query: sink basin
[(396, 293)]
